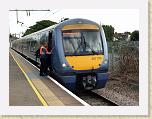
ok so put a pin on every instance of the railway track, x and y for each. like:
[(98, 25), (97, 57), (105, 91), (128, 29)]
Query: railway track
[(95, 99), (89, 97)]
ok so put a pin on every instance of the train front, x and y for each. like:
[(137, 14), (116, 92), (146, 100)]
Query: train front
[(82, 56)]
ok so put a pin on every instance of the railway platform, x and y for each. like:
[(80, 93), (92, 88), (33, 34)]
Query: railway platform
[(27, 88)]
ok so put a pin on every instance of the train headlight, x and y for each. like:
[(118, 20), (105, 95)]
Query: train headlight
[(105, 62), (64, 65)]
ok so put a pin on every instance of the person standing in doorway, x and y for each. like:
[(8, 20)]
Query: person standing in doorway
[(43, 59)]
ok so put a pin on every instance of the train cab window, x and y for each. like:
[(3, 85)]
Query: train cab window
[(82, 42), (93, 41), (71, 41)]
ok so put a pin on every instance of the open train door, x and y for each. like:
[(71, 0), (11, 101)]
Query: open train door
[(49, 50)]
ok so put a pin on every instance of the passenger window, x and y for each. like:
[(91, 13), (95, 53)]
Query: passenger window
[(33, 46), (44, 38)]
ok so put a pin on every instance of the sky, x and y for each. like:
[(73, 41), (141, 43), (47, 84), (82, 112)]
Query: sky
[(121, 19)]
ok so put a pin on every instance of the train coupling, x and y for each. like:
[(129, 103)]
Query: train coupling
[(89, 82)]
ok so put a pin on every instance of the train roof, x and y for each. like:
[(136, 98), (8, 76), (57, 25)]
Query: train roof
[(76, 20), (45, 29)]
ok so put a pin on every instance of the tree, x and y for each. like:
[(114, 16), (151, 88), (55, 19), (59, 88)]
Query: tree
[(109, 32), (38, 26), (134, 36)]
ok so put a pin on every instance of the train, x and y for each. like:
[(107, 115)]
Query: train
[(79, 57)]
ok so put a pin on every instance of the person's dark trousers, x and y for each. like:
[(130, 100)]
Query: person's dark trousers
[(43, 67)]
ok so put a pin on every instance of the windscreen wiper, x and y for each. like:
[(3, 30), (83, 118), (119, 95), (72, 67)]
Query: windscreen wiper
[(92, 50), (86, 44), (81, 44)]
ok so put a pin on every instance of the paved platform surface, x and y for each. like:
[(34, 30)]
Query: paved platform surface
[(44, 91), (20, 92)]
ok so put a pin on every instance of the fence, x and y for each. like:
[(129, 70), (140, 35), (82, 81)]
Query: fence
[(124, 60)]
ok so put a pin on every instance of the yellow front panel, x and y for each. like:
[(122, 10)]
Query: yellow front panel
[(85, 62)]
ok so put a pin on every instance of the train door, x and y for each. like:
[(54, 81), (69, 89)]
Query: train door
[(50, 50), (50, 41)]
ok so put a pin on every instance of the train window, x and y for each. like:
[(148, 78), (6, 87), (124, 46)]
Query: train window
[(71, 41), (33, 46), (82, 42), (44, 37), (24, 45), (28, 45), (93, 41)]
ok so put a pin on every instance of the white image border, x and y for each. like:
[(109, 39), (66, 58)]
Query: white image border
[(142, 109)]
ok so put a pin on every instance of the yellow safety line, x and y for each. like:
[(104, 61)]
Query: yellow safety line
[(31, 84)]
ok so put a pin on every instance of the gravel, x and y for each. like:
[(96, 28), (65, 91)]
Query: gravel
[(122, 92)]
